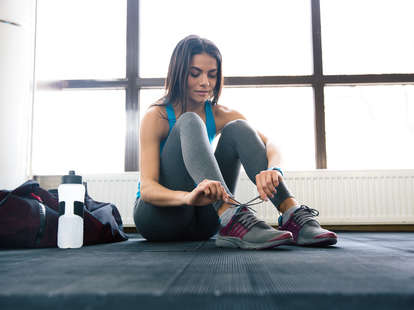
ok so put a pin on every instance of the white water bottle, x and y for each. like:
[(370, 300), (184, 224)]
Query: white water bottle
[(71, 203)]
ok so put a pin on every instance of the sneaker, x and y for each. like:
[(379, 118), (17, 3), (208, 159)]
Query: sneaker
[(306, 230), (246, 231)]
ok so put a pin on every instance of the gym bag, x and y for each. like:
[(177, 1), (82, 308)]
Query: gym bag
[(29, 218)]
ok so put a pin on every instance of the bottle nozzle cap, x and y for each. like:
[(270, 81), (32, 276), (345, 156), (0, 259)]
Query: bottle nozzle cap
[(72, 178)]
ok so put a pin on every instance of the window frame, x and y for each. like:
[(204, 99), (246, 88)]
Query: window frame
[(133, 83)]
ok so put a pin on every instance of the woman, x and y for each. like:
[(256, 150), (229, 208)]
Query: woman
[(185, 190)]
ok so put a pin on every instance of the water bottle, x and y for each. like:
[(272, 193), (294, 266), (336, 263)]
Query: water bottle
[(71, 202)]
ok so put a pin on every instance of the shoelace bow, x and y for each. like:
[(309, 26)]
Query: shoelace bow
[(304, 214), (246, 217)]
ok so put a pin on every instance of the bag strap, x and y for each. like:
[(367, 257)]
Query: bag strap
[(3, 201), (42, 217), (42, 226)]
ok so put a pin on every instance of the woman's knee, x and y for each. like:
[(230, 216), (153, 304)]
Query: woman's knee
[(190, 119), (238, 126)]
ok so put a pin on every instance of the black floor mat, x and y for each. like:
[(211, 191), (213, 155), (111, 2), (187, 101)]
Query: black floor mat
[(363, 271)]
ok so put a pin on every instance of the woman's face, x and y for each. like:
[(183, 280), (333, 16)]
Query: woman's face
[(202, 78)]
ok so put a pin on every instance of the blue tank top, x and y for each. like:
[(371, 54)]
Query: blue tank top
[(210, 126)]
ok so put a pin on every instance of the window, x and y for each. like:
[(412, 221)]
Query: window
[(370, 127), (378, 40), (279, 120), (80, 39), (79, 130), (104, 62), (262, 38)]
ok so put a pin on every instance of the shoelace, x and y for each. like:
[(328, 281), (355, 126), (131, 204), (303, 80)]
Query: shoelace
[(304, 214), (246, 217), (247, 204)]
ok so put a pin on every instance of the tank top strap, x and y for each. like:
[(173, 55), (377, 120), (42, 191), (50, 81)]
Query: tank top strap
[(171, 116), (210, 123)]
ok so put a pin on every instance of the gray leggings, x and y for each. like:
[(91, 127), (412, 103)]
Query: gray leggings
[(186, 160)]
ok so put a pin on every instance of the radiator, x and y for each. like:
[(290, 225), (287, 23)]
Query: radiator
[(342, 197)]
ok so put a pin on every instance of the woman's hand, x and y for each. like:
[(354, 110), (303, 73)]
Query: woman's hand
[(266, 182), (205, 193)]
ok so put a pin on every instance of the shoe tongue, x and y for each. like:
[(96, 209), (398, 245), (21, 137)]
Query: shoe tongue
[(243, 209), (260, 223)]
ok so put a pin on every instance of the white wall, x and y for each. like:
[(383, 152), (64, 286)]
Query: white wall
[(16, 89)]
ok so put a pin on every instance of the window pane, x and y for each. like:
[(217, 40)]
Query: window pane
[(79, 130), (255, 38), (274, 112), (370, 127), (78, 39), (283, 114), (371, 36)]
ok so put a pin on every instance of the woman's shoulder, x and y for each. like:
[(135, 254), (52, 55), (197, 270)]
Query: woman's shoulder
[(224, 115), (224, 112), (155, 112), (156, 118)]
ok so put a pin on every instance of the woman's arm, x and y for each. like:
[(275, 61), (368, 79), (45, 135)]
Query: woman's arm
[(151, 132)]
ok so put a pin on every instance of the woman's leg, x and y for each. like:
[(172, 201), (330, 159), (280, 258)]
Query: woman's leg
[(186, 160), (240, 144)]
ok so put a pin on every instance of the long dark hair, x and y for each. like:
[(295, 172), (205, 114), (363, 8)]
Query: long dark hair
[(178, 70)]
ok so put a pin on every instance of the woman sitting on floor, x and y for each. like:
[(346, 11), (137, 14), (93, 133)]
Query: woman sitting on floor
[(186, 188)]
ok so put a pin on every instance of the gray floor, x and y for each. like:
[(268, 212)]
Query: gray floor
[(363, 271)]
